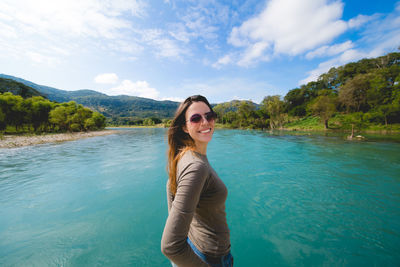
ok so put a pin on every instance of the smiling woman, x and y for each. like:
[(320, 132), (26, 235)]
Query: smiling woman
[(196, 232), (200, 127)]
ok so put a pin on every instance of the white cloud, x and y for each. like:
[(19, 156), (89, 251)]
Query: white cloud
[(360, 20), (162, 45), (125, 46), (381, 35), (235, 97), (139, 88), (176, 99), (200, 24), (69, 25), (93, 18), (113, 27), (204, 19), (288, 27), (254, 52), (39, 58), (106, 78), (197, 23), (7, 31), (150, 34), (168, 48), (223, 61), (326, 50), (179, 32)]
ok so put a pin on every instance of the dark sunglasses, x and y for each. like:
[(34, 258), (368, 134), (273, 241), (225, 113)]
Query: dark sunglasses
[(209, 116)]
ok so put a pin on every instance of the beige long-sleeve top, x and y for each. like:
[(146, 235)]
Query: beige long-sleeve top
[(197, 211)]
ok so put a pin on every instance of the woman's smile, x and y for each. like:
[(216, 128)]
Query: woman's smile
[(205, 131)]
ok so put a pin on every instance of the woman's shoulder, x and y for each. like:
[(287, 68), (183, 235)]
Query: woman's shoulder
[(191, 158), (192, 167)]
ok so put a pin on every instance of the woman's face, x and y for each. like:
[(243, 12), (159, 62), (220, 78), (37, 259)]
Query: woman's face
[(202, 131)]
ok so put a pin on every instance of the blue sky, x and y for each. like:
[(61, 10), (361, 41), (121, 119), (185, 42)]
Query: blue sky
[(166, 49)]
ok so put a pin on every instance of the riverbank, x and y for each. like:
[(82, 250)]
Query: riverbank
[(161, 125), (10, 141), (320, 129)]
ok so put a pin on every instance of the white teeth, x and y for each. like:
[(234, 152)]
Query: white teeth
[(206, 131)]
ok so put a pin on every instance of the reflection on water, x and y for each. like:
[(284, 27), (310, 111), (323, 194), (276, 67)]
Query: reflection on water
[(293, 200)]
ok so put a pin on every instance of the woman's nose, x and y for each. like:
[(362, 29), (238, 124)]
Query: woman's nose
[(204, 121)]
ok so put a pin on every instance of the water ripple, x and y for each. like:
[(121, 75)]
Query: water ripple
[(293, 200)]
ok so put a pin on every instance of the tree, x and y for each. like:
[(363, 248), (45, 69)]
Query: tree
[(2, 120), (78, 118), (274, 106), (148, 122), (387, 60), (90, 124), (59, 116), (296, 100), (386, 110), (13, 109), (99, 120), (330, 79), (231, 117), (220, 110), (39, 112), (245, 112), (353, 94), (324, 106)]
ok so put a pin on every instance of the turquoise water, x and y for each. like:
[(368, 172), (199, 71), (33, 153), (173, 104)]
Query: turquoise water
[(293, 200)]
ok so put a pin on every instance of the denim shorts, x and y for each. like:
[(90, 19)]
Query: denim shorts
[(223, 261)]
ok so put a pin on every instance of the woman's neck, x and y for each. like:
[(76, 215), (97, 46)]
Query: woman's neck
[(201, 148)]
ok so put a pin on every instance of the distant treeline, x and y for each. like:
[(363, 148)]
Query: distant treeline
[(363, 93), (37, 114), (135, 121)]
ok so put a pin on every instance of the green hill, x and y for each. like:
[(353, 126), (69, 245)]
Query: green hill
[(118, 109), (363, 95), (17, 88)]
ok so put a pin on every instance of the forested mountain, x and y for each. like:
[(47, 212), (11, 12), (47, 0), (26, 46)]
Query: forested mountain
[(118, 109), (17, 88), (362, 93), (365, 94), (51, 93)]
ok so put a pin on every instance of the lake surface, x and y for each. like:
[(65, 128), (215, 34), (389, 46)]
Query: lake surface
[(293, 200)]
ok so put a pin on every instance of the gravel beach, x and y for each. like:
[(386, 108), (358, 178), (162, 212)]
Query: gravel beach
[(10, 141)]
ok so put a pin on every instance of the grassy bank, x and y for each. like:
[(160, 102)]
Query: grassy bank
[(337, 124)]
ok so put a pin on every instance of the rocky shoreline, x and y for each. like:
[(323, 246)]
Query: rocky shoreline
[(10, 141)]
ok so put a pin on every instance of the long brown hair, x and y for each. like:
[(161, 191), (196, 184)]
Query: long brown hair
[(178, 140)]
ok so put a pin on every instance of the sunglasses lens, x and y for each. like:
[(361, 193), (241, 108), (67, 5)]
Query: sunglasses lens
[(210, 116), (195, 118)]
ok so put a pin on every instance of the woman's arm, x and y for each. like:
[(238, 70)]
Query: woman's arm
[(169, 198), (173, 243)]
